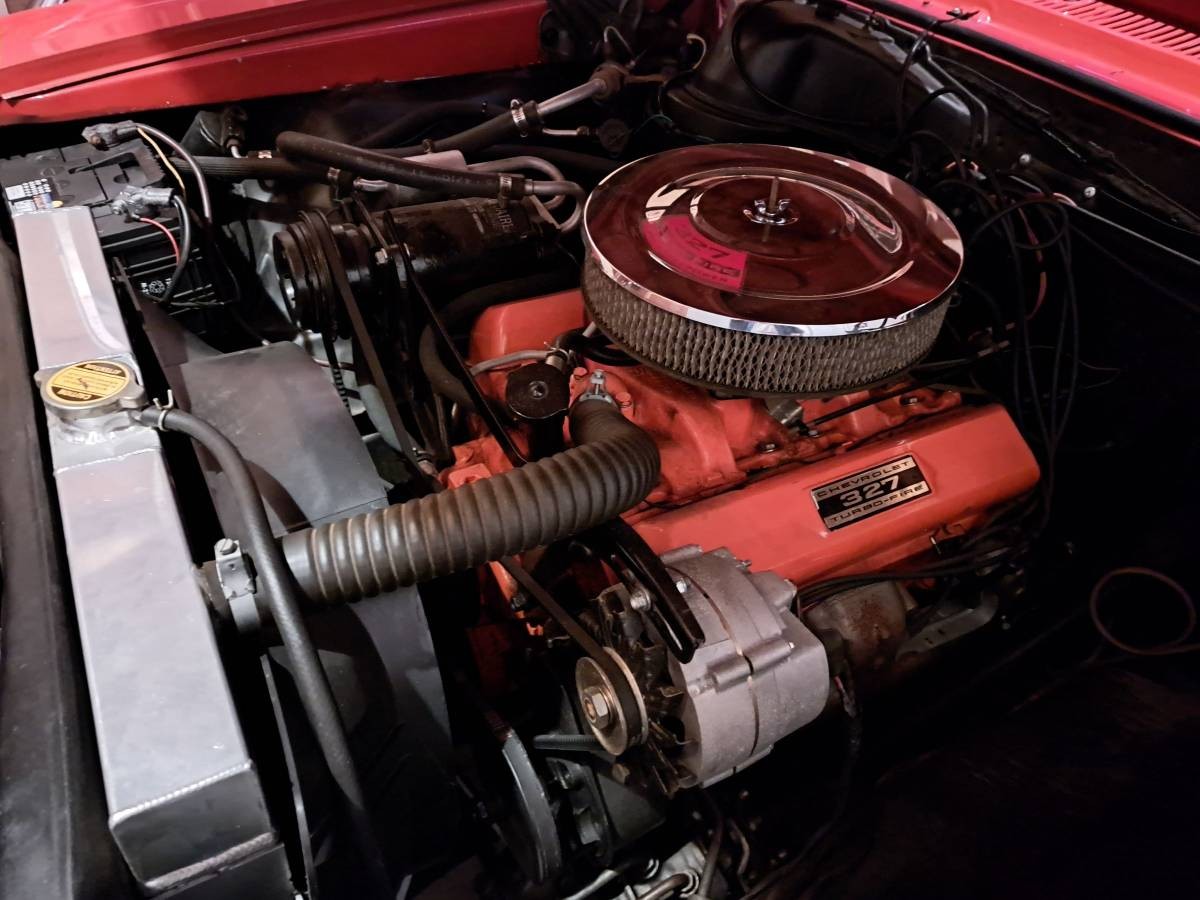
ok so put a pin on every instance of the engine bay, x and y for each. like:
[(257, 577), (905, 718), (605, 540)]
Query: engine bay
[(465, 494)]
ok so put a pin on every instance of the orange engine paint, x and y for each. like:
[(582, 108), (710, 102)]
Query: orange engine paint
[(734, 477), (973, 460)]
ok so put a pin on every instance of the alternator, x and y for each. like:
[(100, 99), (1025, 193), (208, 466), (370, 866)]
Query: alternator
[(759, 675)]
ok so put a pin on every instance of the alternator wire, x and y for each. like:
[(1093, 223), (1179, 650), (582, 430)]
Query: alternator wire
[(277, 591)]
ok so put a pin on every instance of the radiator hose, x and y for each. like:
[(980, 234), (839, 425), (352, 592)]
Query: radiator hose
[(611, 468)]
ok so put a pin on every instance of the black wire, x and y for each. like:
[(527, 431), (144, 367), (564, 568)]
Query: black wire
[(951, 566), (185, 248), (942, 142), (596, 348), (1116, 257), (921, 43), (1083, 152)]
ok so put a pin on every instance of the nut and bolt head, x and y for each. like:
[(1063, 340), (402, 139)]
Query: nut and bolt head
[(596, 708), (538, 389), (681, 586), (1089, 192), (639, 599), (767, 447), (225, 546), (1025, 159)]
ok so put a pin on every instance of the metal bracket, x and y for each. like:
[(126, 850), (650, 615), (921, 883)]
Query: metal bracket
[(950, 625), (237, 585)]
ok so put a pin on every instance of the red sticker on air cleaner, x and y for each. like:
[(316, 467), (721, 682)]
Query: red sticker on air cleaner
[(675, 241)]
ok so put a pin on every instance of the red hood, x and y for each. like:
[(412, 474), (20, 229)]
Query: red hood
[(1142, 48), (94, 58)]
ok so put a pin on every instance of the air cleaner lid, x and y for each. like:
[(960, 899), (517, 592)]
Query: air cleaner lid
[(773, 240)]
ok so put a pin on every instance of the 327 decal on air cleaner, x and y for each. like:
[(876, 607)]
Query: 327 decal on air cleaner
[(870, 492)]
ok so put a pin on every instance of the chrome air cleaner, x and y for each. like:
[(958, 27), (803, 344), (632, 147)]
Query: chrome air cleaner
[(758, 269)]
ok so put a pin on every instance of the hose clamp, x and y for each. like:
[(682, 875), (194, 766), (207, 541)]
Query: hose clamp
[(163, 410), (517, 110), (507, 189), (597, 389)]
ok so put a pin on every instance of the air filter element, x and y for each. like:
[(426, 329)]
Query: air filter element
[(756, 269)]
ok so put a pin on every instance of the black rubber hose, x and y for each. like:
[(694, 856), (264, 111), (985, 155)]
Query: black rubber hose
[(498, 128), (467, 307), (230, 168), (424, 116), (276, 587), (611, 468), (373, 164)]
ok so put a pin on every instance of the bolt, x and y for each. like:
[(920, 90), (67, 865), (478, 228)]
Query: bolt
[(1025, 159), (225, 546), (1089, 192), (909, 401), (596, 707), (767, 447), (639, 599), (681, 586), (538, 389)]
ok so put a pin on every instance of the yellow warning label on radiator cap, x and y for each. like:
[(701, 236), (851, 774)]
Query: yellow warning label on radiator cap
[(88, 383)]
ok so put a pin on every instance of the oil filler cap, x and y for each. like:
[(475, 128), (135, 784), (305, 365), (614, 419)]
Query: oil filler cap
[(92, 388)]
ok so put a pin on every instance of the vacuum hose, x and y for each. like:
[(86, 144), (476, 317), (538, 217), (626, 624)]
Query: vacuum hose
[(612, 467)]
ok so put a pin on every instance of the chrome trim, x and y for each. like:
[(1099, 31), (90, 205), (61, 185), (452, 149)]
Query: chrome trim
[(952, 242)]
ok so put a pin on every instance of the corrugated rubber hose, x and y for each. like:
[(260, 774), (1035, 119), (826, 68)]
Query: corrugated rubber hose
[(611, 468)]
